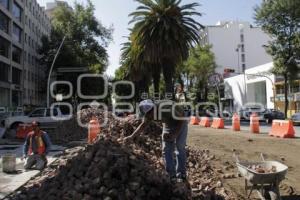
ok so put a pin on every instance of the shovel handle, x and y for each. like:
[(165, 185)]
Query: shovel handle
[(262, 157), (236, 157)]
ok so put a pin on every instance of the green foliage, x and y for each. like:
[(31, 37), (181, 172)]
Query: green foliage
[(162, 34), (86, 39), (84, 46), (197, 69), (281, 20)]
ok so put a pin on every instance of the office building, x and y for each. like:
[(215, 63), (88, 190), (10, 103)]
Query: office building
[(237, 46), (22, 24)]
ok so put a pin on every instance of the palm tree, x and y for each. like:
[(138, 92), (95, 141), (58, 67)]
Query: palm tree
[(134, 68), (164, 30)]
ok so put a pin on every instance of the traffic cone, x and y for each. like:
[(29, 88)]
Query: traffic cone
[(236, 124)]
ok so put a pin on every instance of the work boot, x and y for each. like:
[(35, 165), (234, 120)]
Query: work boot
[(173, 179), (181, 178)]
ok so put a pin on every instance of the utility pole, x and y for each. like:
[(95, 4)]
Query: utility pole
[(50, 71)]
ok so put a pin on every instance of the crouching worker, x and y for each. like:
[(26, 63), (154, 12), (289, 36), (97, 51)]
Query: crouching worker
[(36, 147), (174, 134)]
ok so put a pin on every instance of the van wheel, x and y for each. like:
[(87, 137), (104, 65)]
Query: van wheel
[(15, 125)]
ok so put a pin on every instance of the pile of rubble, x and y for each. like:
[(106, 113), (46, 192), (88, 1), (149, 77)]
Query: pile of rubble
[(76, 128), (109, 169)]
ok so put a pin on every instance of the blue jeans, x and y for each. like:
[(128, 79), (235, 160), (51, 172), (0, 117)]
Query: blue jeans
[(178, 165)]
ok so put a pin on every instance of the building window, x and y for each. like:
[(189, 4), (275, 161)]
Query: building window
[(4, 47), (242, 37), (295, 88), (25, 74), (17, 11), (25, 38), (5, 3), (4, 72), (243, 58), (4, 21), (16, 76), (29, 58), (16, 54), (242, 48), (16, 98), (244, 67), (4, 96), (17, 33)]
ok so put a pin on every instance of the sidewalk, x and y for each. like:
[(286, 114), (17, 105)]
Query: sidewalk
[(11, 182)]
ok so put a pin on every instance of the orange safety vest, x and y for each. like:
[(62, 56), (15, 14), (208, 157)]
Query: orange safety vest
[(39, 141)]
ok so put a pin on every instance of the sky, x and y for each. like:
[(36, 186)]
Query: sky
[(115, 13)]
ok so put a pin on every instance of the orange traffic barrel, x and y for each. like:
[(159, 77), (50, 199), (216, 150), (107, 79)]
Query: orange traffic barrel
[(236, 124), (93, 130), (194, 120), (218, 123), (282, 128), (254, 123), (205, 122)]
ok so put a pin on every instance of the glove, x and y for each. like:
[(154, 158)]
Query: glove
[(127, 139), (23, 157)]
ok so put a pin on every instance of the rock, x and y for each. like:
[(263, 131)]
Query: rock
[(134, 186), (109, 169), (219, 184)]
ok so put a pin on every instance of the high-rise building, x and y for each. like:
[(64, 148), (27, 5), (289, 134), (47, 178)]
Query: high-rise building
[(22, 24), (237, 45)]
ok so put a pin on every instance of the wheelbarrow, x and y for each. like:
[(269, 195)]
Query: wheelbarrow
[(266, 183)]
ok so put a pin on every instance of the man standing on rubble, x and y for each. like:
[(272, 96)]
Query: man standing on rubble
[(36, 147), (173, 134)]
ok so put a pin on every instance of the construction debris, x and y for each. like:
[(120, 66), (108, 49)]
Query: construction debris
[(109, 169)]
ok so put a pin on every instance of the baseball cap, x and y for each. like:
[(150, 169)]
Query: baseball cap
[(145, 106), (35, 124)]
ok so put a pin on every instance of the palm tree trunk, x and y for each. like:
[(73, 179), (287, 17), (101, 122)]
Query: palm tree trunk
[(156, 78), (168, 72), (286, 100)]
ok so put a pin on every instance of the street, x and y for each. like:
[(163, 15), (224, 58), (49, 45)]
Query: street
[(223, 143), (264, 127), (10, 182)]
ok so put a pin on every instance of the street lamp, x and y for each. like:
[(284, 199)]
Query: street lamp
[(50, 71), (245, 85), (238, 56)]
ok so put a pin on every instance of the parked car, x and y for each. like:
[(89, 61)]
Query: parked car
[(4, 115), (42, 115), (273, 114), (296, 118), (266, 115), (246, 112)]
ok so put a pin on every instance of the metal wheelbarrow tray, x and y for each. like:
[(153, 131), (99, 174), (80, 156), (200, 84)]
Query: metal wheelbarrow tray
[(267, 184)]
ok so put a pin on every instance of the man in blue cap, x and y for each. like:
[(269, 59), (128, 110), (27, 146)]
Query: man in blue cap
[(173, 135)]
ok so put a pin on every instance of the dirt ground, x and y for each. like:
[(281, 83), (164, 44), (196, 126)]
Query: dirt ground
[(223, 142)]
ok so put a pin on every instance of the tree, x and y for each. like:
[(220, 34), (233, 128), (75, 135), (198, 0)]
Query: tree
[(133, 69), (197, 69), (281, 20), (85, 44), (164, 31)]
